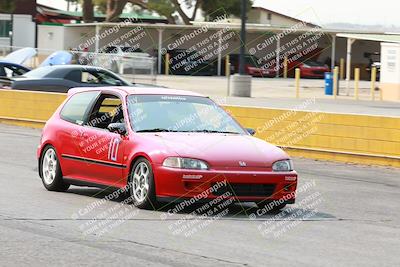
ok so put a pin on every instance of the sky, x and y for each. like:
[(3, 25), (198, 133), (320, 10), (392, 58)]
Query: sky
[(368, 12), (383, 12)]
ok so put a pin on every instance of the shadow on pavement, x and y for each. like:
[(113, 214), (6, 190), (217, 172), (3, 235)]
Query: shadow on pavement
[(241, 211)]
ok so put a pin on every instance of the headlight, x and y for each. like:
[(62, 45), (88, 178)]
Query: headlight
[(185, 163), (283, 166)]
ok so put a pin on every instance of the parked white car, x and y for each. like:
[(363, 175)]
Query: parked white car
[(123, 59)]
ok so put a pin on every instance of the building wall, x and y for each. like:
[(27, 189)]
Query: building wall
[(259, 16), (390, 71), (50, 38), (24, 30)]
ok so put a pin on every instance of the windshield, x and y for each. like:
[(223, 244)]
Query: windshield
[(161, 113)]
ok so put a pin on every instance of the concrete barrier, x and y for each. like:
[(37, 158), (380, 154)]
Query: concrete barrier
[(327, 136)]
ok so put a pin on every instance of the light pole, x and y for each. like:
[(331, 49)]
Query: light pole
[(241, 82), (242, 36)]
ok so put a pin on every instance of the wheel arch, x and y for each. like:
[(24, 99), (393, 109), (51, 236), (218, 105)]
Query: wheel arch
[(42, 149), (133, 160)]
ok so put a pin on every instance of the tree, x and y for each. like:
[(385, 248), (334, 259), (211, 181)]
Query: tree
[(211, 8), (164, 8), (100, 6), (6, 6), (115, 7), (87, 9), (216, 8)]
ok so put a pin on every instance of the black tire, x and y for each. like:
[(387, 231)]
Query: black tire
[(57, 184), (149, 202), (271, 208)]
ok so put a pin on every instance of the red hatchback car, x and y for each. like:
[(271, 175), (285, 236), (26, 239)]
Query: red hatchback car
[(309, 69), (160, 145)]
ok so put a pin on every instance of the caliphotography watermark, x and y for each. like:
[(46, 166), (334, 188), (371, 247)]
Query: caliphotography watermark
[(204, 209), (290, 46), (279, 224), (106, 213)]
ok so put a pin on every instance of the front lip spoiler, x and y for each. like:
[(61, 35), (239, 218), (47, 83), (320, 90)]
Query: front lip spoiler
[(172, 200)]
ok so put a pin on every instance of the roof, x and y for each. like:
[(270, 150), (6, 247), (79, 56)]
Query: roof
[(250, 27), (77, 15), (74, 66), (285, 16), (132, 90), (389, 38)]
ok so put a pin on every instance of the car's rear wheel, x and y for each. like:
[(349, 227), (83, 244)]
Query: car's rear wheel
[(50, 171), (141, 185)]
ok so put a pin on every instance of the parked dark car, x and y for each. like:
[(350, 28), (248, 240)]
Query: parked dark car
[(184, 62), (61, 78), (9, 69), (251, 66)]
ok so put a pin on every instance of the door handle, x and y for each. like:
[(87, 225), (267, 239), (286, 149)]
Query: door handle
[(84, 135)]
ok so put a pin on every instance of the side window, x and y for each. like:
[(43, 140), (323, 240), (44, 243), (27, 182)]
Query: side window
[(88, 77), (99, 77), (77, 107), (74, 75), (13, 71), (108, 109), (106, 78)]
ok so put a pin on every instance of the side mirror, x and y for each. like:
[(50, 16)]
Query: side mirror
[(251, 131), (117, 128)]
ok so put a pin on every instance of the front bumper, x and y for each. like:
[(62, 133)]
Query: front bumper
[(242, 185), (313, 73), (262, 73)]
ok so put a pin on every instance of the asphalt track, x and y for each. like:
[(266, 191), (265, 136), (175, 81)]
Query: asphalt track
[(348, 216)]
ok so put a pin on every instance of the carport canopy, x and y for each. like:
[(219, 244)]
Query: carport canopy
[(387, 38), (352, 37)]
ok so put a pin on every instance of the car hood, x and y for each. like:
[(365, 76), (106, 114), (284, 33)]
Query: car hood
[(21, 55), (57, 58), (221, 150)]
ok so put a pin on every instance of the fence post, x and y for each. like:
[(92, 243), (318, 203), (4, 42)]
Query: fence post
[(335, 82), (297, 78), (285, 67), (373, 80), (167, 64), (341, 69), (227, 66), (356, 82)]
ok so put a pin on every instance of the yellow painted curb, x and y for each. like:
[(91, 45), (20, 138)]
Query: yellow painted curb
[(360, 139)]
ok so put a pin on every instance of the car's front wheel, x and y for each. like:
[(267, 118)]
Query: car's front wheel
[(50, 171), (141, 185)]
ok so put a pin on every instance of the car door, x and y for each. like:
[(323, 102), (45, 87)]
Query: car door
[(70, 129), (103, 150)]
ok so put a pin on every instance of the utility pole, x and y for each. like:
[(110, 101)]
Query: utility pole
[(242, 37), (241, 82)]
